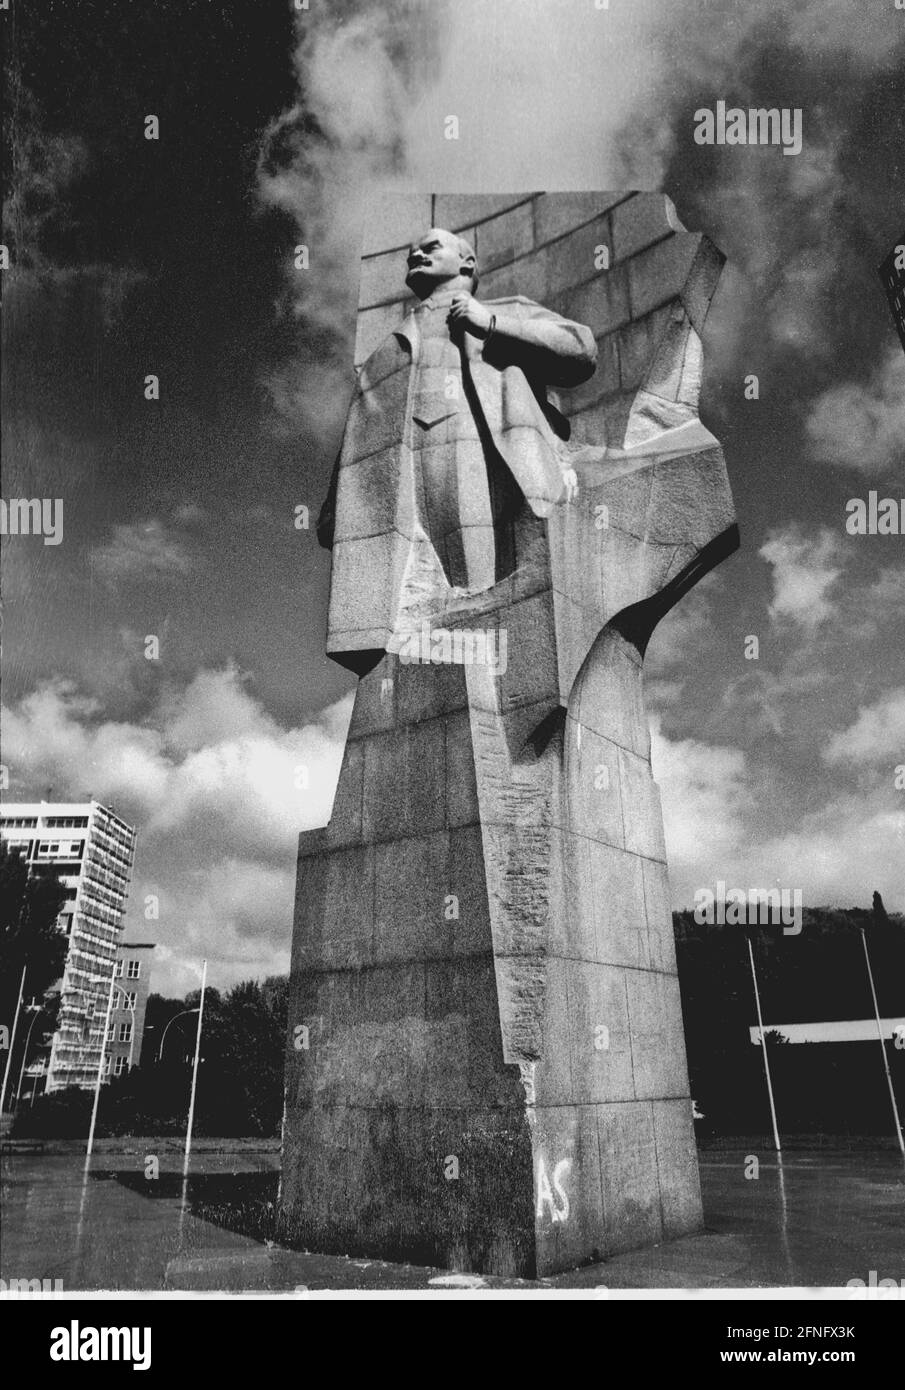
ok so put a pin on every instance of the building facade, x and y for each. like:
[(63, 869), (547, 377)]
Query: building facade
[(90, 851), (125, 1033), (892, 273)]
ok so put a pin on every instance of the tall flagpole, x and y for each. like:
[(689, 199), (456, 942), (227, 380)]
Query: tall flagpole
[(188, 1133), (892, 1094), (763, 1043), (12, 1040), (100, 1065)]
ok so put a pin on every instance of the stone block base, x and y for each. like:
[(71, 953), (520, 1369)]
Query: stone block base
[(486, 1065)]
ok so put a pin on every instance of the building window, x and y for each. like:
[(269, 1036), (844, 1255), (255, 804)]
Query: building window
[(107, 1064), (119, 1066), (119, 969), (134, 969), (130, 999), (125, 1032), (49, 847)]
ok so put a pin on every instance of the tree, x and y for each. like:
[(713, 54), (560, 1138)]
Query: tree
[(29, 936), (240, 1080), (253, 1055)]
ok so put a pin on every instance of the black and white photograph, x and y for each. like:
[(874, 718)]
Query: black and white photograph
[(452, 836)]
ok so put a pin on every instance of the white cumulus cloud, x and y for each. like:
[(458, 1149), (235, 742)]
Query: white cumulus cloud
[(142, 551), (805, 568), (218, 791), (876, 735), (861, 425)]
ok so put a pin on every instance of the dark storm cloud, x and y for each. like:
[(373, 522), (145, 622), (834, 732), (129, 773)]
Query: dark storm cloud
[(140, 257), (801, 301)]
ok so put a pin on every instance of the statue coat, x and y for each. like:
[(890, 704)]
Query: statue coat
[(369, 518)]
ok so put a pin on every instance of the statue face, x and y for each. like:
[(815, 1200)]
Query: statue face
[(433, 260)]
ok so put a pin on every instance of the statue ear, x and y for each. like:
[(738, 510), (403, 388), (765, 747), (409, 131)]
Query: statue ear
[(469, 264)]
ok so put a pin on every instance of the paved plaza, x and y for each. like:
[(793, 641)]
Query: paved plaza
[(821, 1219)]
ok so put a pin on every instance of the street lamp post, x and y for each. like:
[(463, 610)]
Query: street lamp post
[(39, 1009), (182, 1013)]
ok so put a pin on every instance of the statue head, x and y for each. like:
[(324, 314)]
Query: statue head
[(441, 260)]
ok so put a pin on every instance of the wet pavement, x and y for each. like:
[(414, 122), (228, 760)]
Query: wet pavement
[(817, 1220)]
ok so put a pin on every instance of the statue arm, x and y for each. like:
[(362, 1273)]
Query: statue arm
[(544, 344), (326, 521)]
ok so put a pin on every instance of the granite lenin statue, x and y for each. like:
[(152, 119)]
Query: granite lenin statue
[(492, 1070), (452, 444)]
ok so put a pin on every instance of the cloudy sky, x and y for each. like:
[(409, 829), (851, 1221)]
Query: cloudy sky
[(174, 258)]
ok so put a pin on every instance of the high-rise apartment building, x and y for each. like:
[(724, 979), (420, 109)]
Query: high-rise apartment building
[(90, 851)]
